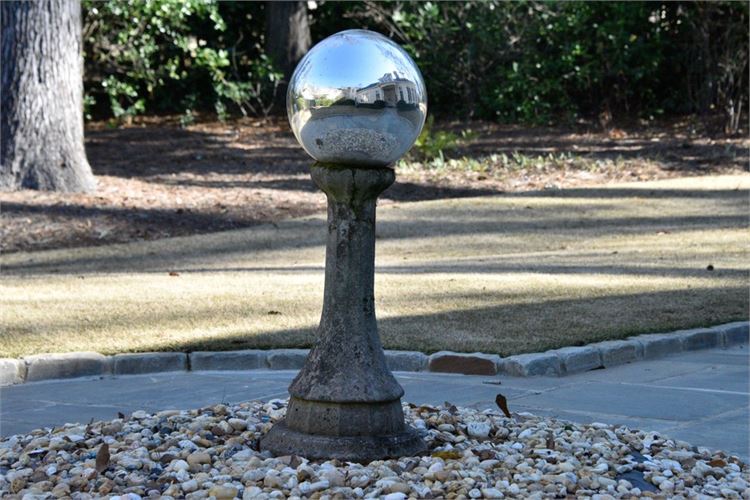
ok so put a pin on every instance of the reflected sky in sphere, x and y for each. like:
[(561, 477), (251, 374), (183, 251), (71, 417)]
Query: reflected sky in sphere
[(357, 98), (352, 60)]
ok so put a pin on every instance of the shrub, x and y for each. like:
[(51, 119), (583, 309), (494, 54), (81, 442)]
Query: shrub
[(532, 62), (173, 55)]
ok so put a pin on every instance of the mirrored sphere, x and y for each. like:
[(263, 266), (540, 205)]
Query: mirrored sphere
[(356, 98)]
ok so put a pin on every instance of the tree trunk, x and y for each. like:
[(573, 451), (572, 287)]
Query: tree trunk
[(287, 37), (287, 33), (42, 97)]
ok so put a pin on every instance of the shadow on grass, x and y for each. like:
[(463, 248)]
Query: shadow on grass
[(441, 216), (482, 266), (676, 153), (502, 329), (305, 233), (400, 191), (161, 151)]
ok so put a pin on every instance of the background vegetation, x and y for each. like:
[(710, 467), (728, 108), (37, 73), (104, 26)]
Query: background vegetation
[(526, 62)]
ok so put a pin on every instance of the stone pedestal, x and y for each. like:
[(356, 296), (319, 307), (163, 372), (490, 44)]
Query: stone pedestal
[(345, 403)]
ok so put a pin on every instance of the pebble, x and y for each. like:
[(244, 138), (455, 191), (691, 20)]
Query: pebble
[(395, 496), (223, 492), (601, 468), (237, 424), (478, 430), (666, 485), (188, 445), (189, 485), (492, 493), (334, 477), (306, 488), (198, 458), (526, 434), (212, 453), (396, 487)]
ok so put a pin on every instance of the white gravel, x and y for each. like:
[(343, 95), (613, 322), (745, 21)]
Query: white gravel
[(212, 453)]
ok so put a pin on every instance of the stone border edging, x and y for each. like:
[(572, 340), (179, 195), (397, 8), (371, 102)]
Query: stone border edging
[(556, 362)]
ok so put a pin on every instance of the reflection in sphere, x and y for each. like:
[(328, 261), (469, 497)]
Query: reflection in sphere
[(357, 98)]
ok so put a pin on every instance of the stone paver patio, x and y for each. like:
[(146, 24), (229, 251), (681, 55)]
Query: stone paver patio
[(701, 397)]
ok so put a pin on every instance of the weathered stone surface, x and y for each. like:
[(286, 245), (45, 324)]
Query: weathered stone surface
[(475, 363), (699, 338), (618, 352), (228, 360), (658, 345), (286, 359), (346, 402), (578, 359), (12, 371), (148, 362), (346, 448), (735, 333), (347, 363), (406, 361), (529, 365), (66, 365)]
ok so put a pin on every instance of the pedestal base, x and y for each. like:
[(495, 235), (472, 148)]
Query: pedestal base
[(281, 440), (345, 403)]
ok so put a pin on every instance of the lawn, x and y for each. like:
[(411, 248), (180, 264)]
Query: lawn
[(504, 274)]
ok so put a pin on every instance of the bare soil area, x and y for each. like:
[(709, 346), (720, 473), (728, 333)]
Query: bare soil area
[(158, 180)]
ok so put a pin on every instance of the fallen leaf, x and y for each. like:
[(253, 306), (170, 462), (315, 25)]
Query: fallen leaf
[(174, 273), (550, 440), (710, 267), (274, 313), (485, 454), (447, 454), (102, 458), (502, 403), (717, 462), (425, 408)]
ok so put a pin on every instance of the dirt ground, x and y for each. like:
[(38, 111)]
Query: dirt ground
[(158, 180)]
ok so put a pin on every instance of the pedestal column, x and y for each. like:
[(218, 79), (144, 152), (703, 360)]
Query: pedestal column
[(345, 403)]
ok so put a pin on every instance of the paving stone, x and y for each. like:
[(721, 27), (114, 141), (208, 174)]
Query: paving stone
[(249, 359), (658, 345), (529, 365), (700, 338), (286, 359), (735, 333), (475, 363), (406, 361), (12, 371), (578, 359), (148, 362), (66, 365), (618, 352)]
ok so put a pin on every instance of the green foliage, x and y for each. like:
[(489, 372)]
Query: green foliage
[(167, 55), (433, 143), (546, 62), (531, 61)]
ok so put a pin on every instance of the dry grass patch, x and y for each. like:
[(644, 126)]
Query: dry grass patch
[(503, 274)]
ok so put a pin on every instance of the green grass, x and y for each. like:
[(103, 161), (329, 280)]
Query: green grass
[(498, 165), (504, 274)]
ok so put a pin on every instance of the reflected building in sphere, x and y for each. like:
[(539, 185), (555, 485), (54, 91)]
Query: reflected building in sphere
[(391, 89), (357, 99)]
